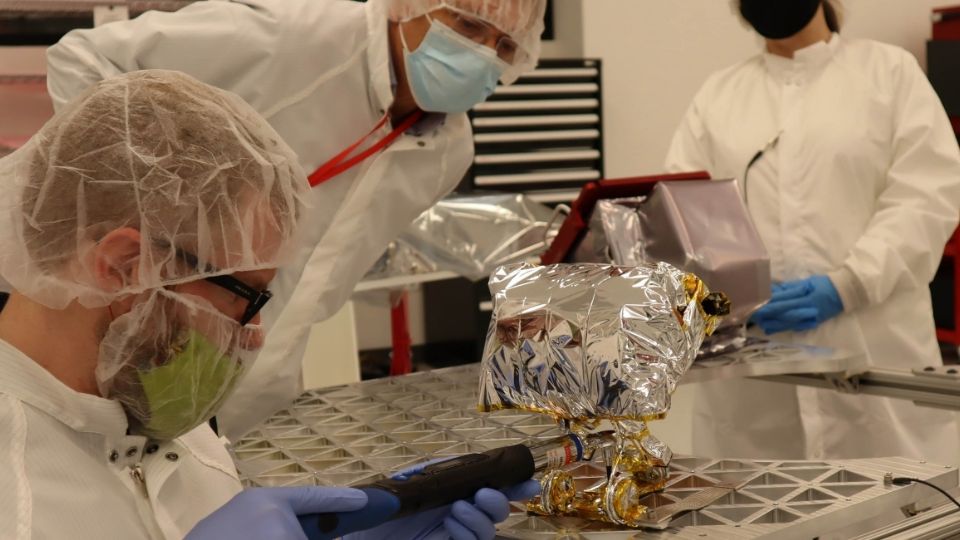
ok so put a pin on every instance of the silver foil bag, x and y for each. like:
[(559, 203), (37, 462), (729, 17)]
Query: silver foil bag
[(472, 236), (585, 343), (400, 259), (702, 227), (588, 342)]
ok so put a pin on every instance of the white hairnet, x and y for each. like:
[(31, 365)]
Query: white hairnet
[(522, 20), (184, 164)]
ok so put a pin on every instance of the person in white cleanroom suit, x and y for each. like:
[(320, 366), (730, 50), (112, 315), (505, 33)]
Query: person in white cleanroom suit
[(325, 73), (855, 195), (141, 229)]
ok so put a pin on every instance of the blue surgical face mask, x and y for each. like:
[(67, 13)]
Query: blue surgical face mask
[(448, 73)]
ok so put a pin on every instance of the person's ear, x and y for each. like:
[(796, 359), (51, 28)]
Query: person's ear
[(414, 31), (116, 259)]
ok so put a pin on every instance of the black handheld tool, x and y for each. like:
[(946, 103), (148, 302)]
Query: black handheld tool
[(444, 483)]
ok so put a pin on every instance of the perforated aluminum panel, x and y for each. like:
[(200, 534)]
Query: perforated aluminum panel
[(777, 499), (350, 435), (354, 434), (764, 358)]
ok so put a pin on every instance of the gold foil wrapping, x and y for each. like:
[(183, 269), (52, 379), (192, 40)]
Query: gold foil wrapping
[(585, 343)]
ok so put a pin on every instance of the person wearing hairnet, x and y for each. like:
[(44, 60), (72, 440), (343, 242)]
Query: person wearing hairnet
[(343, 83), (851, 172), (140, 230)]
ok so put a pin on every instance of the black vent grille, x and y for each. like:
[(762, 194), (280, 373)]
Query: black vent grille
[(543, 134)]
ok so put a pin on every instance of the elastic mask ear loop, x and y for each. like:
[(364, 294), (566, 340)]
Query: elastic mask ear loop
[(110, 311), (403, 36)]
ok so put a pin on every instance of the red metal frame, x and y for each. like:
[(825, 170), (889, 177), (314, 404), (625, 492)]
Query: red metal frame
[(402, 361), (576, 224), (952, 335), (948, 25)]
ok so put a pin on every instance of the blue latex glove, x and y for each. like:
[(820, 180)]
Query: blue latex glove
[(799, 306), (261, 513), (463, 520)]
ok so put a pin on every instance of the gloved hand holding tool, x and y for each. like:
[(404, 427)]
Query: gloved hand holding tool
[(263, 513), (461, 498), (424, 494), (463, 520), (799, 306), (273, 513)]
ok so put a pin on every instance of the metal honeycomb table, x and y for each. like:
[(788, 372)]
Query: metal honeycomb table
[(353, 434)]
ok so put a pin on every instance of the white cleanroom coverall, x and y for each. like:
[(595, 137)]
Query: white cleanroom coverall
[(320, 73), (864, 186), (68, 455)]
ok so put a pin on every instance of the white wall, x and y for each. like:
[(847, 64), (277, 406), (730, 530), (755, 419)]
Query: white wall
[(656, 53), (568, 15), (902, 22), (24, 107)]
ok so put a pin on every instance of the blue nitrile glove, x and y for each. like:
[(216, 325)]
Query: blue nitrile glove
[(261, 513), (463, 520), (799, 306)]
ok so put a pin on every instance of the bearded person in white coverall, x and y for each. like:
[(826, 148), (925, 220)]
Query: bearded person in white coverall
[(851, 172), (140, 230), (328, 75)]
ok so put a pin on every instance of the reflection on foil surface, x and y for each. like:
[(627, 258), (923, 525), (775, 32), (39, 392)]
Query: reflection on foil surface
[(586, 343)]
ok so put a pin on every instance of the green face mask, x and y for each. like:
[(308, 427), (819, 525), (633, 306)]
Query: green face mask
[(188, 389), (168, 376)]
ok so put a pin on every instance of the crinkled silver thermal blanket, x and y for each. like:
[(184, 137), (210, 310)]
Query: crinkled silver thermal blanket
[(591, 341), (700, 226), (472, 236)]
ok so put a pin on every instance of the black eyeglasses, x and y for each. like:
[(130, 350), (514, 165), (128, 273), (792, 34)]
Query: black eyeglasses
[(255, 298)]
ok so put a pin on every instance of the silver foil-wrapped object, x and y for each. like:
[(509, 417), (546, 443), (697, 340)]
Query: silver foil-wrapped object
[(590, 341), (470, 236), (473, 235), (702, 227), (585, 343), (400, 259)]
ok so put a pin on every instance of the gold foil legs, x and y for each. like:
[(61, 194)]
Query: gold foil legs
[(637, 465)]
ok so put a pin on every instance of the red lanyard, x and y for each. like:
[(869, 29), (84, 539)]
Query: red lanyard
[(340, 163)]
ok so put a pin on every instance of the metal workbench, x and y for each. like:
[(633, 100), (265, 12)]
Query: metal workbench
[(354, 434)]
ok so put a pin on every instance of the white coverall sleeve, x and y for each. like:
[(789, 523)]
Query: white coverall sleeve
[(918, 209), (221, 43), (690, 148), (16, 497)]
